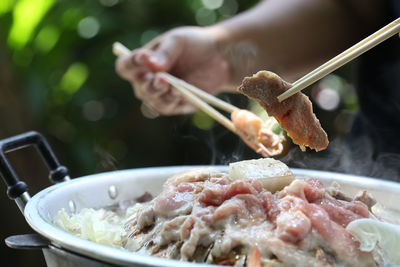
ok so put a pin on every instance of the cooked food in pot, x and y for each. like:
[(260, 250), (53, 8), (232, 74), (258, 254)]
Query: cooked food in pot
[(294, 114), (258, 214)]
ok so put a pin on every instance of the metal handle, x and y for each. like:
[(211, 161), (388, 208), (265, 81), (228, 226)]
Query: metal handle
[(16, 189), (27, 241)]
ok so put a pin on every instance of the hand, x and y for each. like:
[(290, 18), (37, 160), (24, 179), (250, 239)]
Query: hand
[(189, 53)]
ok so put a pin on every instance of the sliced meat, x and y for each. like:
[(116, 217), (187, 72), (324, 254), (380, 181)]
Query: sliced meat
[(293, 226), (294, 114), (340, 241), (202, 215), (343, 212), (191, 176), (254, 259), (340, 211), (365, 198)]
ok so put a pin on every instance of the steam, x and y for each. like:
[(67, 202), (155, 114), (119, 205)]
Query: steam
[(234, 157), (358, 159), (219, 157), (106, 161)]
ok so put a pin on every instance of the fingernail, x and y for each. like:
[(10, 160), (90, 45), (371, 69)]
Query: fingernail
[(140, 58), (157, 60), (137, 59), (148, 76)]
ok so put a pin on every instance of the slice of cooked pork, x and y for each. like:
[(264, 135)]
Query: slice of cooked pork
[(294, 114)]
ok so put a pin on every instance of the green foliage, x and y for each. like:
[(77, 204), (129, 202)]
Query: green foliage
[(27, 14), (61, 53), (202, 120)]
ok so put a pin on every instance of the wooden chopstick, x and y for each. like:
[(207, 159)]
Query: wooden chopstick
[(209, 98), (188, 92), (343, 58), (199, 103), (375, 34), (120, 50)]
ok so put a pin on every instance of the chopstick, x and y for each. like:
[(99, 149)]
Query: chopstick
[(377, 33), (120, 50), (199, 103), (215, 101), (343, 58), (192, 94)]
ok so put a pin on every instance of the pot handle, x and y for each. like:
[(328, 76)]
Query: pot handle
[(16, 189), (27, 241)]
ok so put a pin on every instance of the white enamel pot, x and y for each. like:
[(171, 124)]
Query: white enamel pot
[(108, 189)]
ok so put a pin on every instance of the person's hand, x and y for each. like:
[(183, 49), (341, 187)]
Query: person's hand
[(189, 53)]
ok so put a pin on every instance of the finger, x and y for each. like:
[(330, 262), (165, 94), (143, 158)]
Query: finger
[(170, 104), (137, 91), (180, 107), (144, 88), (128, 70), (166, 53), (157, 94), (164, 108), (164, 103), (139, 56), (148, 111), (173, 103), (153, 44), (123, 66), (145, 57), (184, 107), (160, 83), (151, 87), (131, 67), (141, 68)]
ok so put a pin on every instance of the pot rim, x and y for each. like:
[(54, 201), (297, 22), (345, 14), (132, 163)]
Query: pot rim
[(108, 254)]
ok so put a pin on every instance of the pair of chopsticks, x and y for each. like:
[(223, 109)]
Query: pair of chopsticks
[(196, 96), (343, 58)]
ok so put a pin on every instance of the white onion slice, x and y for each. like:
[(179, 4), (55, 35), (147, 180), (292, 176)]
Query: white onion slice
[(372, 233)]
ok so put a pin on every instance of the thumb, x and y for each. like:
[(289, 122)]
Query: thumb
[(166, 53)]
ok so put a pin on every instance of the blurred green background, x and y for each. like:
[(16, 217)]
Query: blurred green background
[(57, 77)]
